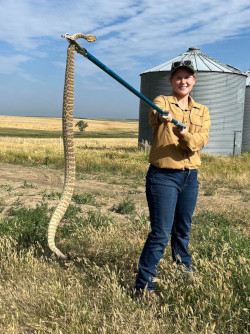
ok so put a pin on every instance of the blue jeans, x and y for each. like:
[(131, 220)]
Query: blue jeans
[(171, 196)]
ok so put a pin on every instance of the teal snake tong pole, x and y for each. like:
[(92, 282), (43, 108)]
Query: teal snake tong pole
[(97, 62)]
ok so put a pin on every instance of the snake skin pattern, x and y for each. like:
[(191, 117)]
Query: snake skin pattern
[(68, 142)]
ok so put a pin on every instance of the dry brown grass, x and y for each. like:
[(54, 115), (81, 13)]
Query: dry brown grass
[(17, 143)]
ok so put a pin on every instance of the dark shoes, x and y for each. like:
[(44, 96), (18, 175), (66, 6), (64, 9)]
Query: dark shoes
[(187, 274)]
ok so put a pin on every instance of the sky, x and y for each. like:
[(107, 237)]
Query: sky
[(132, 37)]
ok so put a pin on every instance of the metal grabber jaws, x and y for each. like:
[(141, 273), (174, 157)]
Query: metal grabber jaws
[(72, 40)]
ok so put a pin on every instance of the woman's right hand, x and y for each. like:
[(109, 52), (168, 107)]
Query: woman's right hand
[(165, 119)]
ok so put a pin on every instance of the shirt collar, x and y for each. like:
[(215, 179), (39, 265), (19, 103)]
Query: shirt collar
[(191, 102)]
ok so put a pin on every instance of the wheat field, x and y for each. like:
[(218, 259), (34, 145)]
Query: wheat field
[(55, 124)]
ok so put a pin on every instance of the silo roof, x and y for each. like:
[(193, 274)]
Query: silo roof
[(248, 78), (200, 61)]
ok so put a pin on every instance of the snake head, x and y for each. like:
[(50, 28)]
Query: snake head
[(90, 38)]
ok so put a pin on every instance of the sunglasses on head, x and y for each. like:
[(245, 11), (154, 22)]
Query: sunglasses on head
[(182, 63)]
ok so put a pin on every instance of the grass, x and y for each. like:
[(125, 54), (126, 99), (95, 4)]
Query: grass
[(85, 198), (28, 185), (6, 187), (120, 157), (230, 171), (125, 207), (24, 133), (104, 235), (26, 226), (93, 293)]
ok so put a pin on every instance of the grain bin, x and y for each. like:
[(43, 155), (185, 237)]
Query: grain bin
[(246, 123), (221, 87)]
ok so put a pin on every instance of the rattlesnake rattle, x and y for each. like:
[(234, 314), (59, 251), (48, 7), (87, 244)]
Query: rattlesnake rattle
[(68, 143)]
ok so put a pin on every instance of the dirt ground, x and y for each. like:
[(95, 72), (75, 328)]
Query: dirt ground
[(29, 184)]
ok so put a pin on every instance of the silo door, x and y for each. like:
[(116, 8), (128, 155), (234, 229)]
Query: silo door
[(237, 142)]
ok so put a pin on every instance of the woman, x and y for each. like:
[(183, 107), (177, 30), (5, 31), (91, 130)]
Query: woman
[(171, 182)]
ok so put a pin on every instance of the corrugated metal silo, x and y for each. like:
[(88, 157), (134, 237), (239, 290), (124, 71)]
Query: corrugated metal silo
[(246, 122), (221, 87)]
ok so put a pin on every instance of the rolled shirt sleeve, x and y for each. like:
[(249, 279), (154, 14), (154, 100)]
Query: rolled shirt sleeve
[(153, 114)]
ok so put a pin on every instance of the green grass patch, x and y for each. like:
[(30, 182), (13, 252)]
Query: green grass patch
[(28, 227), (9, 132), (85, 198), (54, 195), (6, 187), (218, 235), (127, 206), (28, 185), (13, 132), (97, 220)]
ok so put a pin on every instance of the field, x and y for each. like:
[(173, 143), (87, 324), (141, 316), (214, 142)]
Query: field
[(44, 127), (104, 231)]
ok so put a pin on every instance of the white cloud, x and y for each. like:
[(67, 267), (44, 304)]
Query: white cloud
[(11, 64), (126, 30)]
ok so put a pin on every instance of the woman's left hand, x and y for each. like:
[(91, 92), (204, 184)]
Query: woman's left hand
[(179, 132)]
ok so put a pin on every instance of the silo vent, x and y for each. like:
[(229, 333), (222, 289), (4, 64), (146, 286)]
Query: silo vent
[(192, 49)]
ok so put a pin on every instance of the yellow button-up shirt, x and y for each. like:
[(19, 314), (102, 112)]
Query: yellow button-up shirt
[(168, 151)]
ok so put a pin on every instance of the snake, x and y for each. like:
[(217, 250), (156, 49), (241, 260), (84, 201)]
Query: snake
[(68, 143)]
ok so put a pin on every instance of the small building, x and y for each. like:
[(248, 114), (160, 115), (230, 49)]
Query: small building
[(246, 120), (221, 87)]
